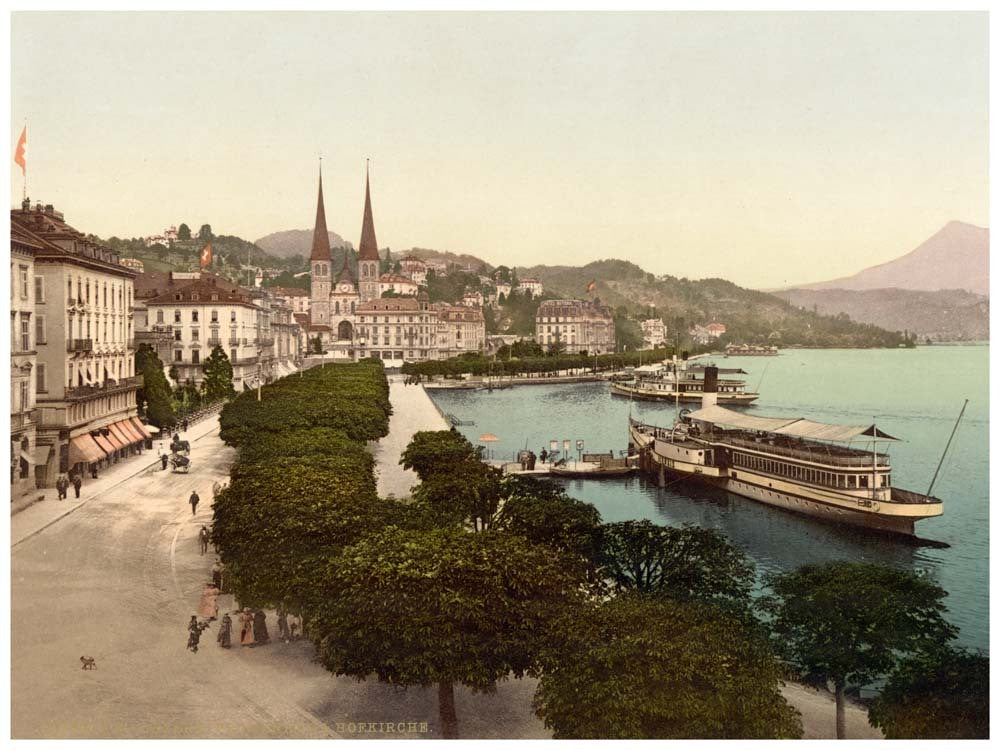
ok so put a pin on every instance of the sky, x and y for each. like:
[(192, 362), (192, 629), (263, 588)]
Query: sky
[(765, 148)]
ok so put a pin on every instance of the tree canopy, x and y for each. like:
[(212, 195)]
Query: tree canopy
[(636, 667), (218, 381), (942, 694), (154, 400), (850, 623), (183, 232)]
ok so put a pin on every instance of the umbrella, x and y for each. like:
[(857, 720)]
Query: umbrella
[(488, 437)]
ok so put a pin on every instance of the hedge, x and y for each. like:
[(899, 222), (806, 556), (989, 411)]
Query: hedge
[(477, 365)]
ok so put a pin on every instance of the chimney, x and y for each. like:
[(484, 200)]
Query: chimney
[(710, 392)]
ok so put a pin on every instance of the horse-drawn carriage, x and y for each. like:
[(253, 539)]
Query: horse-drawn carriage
[(180, 446), (181, 463)]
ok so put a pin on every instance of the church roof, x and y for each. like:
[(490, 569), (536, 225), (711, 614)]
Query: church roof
[(345, 272), (368, 249), (321, 239)]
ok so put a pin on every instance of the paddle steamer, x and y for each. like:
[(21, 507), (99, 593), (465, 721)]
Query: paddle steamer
[(796, 464), (683, 382)]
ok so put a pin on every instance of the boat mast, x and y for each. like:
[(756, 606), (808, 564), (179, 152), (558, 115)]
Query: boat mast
[(946, 447)]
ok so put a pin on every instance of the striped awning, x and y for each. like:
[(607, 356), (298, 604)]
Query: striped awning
[(112, 439), (117, 431), (104, 443), (790, 426), (141, 427), (83, 449), (130, 432)]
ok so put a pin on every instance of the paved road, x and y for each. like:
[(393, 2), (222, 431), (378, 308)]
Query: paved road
[(118, 579)]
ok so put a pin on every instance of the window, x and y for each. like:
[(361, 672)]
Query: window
[(25, 334), (24, 282), (852, 481), (25, 396), (195, 334), (105, 295), (88, 291), (39, 289), (177, 316), (232, 316), (178, 355), (232, 355), (159, 316), (177, 334), (41, 383), (39, 329), (194, 357), (215, 316), (105, 331), (194, 316), (69, 290)]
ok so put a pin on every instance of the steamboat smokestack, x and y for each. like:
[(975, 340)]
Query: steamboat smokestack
[(710, 394)]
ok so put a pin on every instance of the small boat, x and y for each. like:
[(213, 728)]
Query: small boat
[(684, 382), (751, 350), (592, 469)]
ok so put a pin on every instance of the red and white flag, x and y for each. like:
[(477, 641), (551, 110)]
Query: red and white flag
[(592, 286), (206, 255), (19, 152)]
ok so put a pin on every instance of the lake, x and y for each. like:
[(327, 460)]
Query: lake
[(913, 394)]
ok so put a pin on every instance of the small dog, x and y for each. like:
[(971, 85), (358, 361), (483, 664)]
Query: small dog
[(88, 662)]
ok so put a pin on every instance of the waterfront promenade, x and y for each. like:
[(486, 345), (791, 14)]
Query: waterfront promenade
[(412, 411)]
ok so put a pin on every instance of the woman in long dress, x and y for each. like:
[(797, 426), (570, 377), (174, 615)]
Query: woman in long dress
[(225, 631), (260, 634), (208, 607), (246, 628)]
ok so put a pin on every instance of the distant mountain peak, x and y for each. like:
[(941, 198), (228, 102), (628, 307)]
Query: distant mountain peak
[(295, 242), (957, 256)]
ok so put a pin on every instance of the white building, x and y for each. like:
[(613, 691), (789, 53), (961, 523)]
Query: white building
[(24, 287), (502, 288), (472, 299), (83, 337), (414, 269), (654, 333), (397, 284), (294, 297), (532, 287), (579, 325)]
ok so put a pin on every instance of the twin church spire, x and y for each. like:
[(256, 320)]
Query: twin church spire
[(368, 248)]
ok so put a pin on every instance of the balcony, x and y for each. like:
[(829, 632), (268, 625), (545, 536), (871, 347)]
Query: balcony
[(22, 419), (234, 342), (79, 345), (265, 342), (212, 343), (105, 389)]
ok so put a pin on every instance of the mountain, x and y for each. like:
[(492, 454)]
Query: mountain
[(749, 316), (295, 242), (463, 260), (956, 257), (952, 315)]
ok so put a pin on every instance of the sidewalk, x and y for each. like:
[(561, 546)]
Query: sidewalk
[(38, 516), (412, 411)]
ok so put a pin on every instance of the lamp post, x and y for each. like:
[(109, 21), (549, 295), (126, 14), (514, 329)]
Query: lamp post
[(260, 370)]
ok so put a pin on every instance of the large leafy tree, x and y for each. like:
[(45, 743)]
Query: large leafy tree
[(639, 667), (685, 562), (851, 623), (184, 232), (436, 451), (466, 492), (218, 382), (154, 399), (437, 607), (943, 694)]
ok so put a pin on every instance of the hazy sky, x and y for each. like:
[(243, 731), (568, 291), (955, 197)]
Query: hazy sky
[(763, 148)]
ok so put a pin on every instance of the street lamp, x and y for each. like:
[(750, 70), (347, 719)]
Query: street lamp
[(260, 370)]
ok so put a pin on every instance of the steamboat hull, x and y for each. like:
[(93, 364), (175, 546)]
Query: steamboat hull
[(695, 397), (665, 461)]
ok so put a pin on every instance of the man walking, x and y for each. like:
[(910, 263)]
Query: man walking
[(163, 461), (194, 500), (62, 485), (77, 483), (203, 538)]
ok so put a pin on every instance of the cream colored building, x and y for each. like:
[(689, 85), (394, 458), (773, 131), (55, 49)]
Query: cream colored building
[(654, 333), (24, 287), (579, 325), (83, 335)]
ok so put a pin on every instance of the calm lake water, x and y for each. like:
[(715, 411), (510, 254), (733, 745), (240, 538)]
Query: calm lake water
[(915, 395)]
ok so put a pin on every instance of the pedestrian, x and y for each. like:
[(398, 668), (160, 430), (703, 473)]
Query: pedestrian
[(225, 631), (260, 627), (163, 461), (93, 471), (203, 537), (246, 628), (543, 455), (184, 425), (194, 633), (77, 483), (194, 500), (283, 626), (61, 485), (217, 575), (208, 606)]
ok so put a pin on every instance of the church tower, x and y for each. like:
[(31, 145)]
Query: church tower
[(319, 264), (368, 260)]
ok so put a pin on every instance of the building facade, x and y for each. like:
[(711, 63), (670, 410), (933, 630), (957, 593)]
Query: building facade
[(578, 325), (530, 287), (84, 341), (24, 287), (654, 333), (396, 284)]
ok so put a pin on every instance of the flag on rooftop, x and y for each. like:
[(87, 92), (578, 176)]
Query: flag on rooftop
[(592, 286), (19, 152)]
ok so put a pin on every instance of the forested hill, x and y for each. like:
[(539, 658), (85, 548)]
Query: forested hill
[(749, 316)]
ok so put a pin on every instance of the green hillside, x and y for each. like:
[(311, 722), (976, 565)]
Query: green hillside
[(749, 316)]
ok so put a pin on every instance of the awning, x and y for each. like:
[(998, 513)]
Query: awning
[(26, 457), (129, 429), (141, 427), (117, 431), (42, 454), (83, 449), (104, 443), (791, 426), (112, 439)]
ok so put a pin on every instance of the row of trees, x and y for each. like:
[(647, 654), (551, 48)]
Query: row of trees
[(532, 360), (161, 404), (633, 630)]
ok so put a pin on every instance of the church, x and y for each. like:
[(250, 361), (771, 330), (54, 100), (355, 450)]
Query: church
[(353, 321)]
